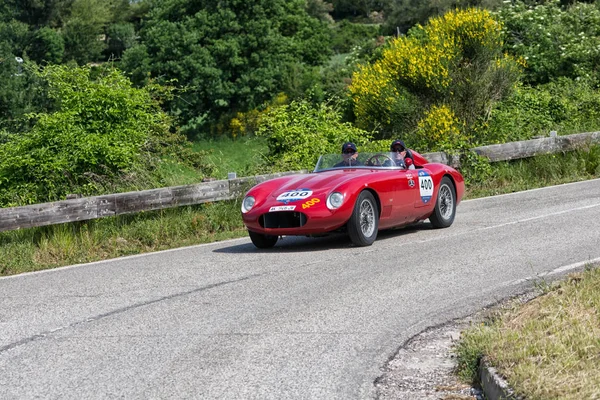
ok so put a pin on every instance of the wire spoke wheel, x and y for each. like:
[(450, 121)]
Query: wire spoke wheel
[(364, 222), (446, 202), (445, 206), (367, 218)]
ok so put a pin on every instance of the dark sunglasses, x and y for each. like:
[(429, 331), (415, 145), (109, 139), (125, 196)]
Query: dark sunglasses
[(349, 151), (399, 150)]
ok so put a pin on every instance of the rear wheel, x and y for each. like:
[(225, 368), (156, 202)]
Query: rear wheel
[(263, 241), (364, 222), (445, 205)]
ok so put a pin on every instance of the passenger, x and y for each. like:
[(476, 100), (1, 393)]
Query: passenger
[(401, 154), (349, 156)]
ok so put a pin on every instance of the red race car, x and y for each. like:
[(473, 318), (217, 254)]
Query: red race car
[(372, 192)]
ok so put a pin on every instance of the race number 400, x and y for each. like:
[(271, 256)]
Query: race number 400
[(425, 187), (294, 195)]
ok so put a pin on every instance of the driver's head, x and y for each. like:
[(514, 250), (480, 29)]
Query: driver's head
[(397, 147), (349, 150)]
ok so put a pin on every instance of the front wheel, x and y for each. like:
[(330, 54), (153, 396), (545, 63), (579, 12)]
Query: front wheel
[(263, 241), (364, 222), (445, 205)]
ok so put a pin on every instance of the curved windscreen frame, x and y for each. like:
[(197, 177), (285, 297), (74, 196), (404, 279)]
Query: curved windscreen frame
[(380, 160)]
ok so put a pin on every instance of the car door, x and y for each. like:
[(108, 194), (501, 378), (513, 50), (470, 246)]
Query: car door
[(406, 194), (425, 188)]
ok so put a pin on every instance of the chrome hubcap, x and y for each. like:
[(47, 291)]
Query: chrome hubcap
[(446, 202), (367, 218)]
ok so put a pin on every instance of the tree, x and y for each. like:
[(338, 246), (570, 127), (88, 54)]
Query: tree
[(404, 14), (228, 56), (555, 41), (46, 46), (83, 29)]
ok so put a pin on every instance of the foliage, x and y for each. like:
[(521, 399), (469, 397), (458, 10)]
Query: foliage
[(353, 8), (555, 41), (566, 106), (439, 130), (299, 132), (404, 14), (485, 179), (82, 31), (230, 56), (13, 37), (319, 9), (46, 46), (21, 92), (120, 37), (347, 35), (103, 130), (455, 61)]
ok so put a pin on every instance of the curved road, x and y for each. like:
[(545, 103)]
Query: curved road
[(309, 319)]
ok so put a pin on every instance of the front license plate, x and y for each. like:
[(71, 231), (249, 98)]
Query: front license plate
[(282, 208)]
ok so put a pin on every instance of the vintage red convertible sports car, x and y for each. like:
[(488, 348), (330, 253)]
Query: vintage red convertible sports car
[(372, 193)]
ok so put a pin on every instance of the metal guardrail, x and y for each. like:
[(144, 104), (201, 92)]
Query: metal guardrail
[(87, 208)]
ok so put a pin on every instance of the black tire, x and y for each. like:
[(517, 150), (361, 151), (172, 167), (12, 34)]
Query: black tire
[(263, 241), (445, 205), (364, 222)]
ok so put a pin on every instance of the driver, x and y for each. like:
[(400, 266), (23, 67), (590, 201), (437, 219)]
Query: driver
[(349, 156), (401, 154)]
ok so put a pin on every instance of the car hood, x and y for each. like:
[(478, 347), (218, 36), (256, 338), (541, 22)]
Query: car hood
[(319, 183)]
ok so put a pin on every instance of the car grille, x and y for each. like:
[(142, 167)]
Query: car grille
[(282, 219)]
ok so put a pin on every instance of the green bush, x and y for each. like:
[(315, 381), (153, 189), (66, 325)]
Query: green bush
[(555, 41), (103, 134), (47, 46), (299, 132), (347, 35), (566, 106), (455, 63)]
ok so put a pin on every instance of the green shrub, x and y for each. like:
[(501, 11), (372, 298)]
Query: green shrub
[(299, 132), (47, 46), (566, 106), (555, 41), (347, 35), (454, 62), (103, 134)]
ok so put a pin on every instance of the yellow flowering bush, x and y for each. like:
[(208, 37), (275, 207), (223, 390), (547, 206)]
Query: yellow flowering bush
[(455, 59), (439, 129)]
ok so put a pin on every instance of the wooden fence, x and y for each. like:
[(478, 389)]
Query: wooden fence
[(87, 208)]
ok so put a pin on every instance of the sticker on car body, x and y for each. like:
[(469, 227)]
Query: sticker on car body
[(310, 203), (294, 195), (425, 186), (282, 208)]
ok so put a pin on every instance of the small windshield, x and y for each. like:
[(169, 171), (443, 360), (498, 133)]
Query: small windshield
[(382, 160)]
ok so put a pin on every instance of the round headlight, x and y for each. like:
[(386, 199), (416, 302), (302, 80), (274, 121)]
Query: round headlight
[(248, 203), (335, 200)]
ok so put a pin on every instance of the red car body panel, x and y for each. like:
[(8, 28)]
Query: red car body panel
[(397, 191)]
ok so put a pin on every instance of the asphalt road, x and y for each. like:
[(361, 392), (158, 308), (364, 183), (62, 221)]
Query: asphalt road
[(309, 319)]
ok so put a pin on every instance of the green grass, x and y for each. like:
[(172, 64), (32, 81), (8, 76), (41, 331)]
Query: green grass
[(66, 244), (536, 172), (548, 348), (242, 156)]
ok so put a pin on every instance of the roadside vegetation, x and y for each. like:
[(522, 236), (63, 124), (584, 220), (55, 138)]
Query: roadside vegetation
[(547, 348)]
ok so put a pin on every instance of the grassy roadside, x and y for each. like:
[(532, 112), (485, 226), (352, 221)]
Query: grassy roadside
[(547, 348), (48, 247)]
